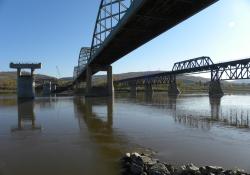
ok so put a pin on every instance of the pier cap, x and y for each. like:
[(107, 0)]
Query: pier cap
[(25, 65)]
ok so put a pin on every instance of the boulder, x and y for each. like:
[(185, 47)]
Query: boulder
[(192, 169), (214, 169), (148, 160), (136, 169), (158, 169)]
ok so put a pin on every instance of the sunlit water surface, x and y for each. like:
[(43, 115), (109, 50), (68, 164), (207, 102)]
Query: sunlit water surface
[(76, 136)]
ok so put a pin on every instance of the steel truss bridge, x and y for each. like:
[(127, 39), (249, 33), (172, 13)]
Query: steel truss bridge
[(231, 70), (124, 25)]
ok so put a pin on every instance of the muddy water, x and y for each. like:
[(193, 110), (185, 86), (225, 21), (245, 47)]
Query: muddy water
[(74, 135)]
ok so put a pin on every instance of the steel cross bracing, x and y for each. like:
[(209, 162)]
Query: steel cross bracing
[(232, 70), (152, 80), (76, 72), (192, 63), (109, 15), (83, 57), (82, 61)]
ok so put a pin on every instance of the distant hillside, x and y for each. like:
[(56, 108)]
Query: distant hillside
[(100, 79), (97, 79), (241, 81), (8, 79), (12, 76)]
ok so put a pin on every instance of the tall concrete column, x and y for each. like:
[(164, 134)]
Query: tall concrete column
[(18, 73), (148, 89), (173, 89), (25, 87), (215, 89), (110, 85), (89, 81)]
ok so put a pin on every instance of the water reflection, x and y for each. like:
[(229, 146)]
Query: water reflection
[(97, 115), (228, 117), (195, 116), (26, 116)]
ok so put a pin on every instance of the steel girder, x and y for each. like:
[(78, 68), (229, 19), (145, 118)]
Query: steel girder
[(151, 80), (231, 70), (192, 63), (109, 15)]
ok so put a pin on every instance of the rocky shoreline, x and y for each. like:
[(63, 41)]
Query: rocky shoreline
[(140, 164)]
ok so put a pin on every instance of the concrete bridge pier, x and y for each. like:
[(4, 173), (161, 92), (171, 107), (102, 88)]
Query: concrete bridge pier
[(108, 90), (49, 87), (25, 84), (133, 88), (46, 88), (148, 89), (215, 89), (173, 89), (53, 87), (25, 87), (215, 107)]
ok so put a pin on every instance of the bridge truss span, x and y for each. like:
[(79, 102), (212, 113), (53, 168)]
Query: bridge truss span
[(154, 79), (195, 63), (232, 70), (109, 15)]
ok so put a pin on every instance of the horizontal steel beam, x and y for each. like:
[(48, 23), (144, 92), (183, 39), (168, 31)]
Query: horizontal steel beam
[(25, 65)]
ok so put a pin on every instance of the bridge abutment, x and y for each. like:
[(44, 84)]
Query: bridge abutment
[(106, 91), (215, 89)]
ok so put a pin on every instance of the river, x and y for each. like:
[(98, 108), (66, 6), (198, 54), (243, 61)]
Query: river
[(76, 136)]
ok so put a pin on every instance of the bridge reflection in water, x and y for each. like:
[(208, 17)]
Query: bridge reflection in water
[(227, 116), (238, 118), (111, 145), (26, 116)]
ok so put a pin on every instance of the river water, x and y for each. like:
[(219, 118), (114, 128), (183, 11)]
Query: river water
[(76, 136)]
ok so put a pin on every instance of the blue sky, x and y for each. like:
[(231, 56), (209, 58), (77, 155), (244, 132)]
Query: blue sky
[(53, 31)]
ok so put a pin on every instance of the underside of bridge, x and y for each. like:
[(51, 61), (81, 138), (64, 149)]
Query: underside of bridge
[(145, 20), (139, 22)]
